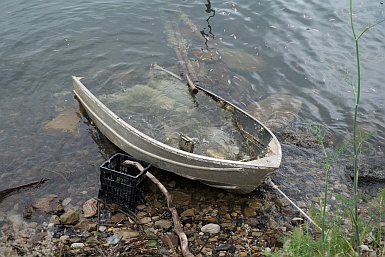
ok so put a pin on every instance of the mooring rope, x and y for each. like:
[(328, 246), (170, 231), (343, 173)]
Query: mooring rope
[(271, 183)]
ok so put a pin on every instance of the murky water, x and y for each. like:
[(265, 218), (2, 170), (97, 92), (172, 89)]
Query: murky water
[(306, 47)]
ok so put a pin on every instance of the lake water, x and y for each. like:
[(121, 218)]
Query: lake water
[(307, 47)]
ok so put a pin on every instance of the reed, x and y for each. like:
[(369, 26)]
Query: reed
[(334, 241), (356, 142)]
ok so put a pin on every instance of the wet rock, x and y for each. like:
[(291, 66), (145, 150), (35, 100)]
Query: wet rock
[(70, 218), (90, 208), (211, 228), (65, 121), (50, 204), (276, 111)]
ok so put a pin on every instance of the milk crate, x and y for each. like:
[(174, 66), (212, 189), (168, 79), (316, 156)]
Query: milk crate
[(122, 183)]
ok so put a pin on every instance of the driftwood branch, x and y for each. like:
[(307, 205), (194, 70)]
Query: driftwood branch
[(177, 226), (182, 63)]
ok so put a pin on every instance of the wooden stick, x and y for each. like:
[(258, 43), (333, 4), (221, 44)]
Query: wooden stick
[(177, 226), (182, 63)]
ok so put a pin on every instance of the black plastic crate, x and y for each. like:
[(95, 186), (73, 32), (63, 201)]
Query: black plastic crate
[(123, 184)]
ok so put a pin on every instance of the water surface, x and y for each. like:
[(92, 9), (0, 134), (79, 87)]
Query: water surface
[(307, 47)]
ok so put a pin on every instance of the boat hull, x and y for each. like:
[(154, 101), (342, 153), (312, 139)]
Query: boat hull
[(235, 176)]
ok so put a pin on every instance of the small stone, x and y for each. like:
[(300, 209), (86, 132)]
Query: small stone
[(141, 214), (66, 201), (54, 220), (126, 234), (181, 198), (90, 208), (70, 218), (225, 247), (82, 225), (283, 202), (301, 204), (165, 224), (171, 184), (16, 219), (365, 248), (172, 237), (187, 213), (141, 207), (252, 222), (118, 217), (145, 220), (243, 254), (211, 228), (112, 240), (64, 239), (92, 227), (77, 245), (102, 228), (249, 212), (297, 221), (157, 204)]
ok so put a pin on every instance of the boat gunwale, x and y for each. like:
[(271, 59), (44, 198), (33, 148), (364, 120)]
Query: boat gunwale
[(264, 162)]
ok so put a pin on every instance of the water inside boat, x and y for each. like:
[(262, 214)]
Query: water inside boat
[(162, 108)]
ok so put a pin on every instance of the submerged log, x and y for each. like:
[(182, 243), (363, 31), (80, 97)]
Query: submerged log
[(6, 192)]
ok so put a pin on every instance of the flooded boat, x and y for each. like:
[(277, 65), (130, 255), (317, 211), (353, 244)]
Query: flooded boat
[(236, 158)]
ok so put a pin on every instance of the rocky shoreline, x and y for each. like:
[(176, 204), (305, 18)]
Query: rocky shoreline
[(217, 223)]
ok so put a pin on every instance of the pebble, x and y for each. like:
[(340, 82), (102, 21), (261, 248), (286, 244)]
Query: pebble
[(141, 207), (66, 201), (126, 234), (145, 220), (70, 218), (165, 224), (102, 228), (211, 228), (77, 245)]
